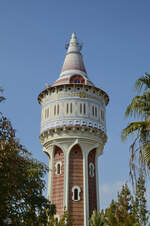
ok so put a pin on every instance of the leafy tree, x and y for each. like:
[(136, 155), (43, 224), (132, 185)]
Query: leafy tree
[(65, 220), (140, 109), (139, 203), (124, 208), (119, 213), (21, 180), (110, 217), (97, 219)]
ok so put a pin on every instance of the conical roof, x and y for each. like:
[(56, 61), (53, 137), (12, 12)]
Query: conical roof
[(73, 59), (73, 64)]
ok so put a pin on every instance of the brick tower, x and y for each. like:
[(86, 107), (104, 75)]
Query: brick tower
[(73, 134)]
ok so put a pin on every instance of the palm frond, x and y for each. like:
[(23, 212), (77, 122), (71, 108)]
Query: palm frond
[(137, 107), (132, 128), (2, 98), (146, 152), (143, 81)]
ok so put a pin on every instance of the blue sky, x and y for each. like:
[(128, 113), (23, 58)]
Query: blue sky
[(115, 36)]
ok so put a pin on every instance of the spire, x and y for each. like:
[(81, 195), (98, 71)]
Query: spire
[(74, 45), (73, 60)]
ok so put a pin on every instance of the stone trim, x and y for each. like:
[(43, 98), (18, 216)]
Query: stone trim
[(79, 190)]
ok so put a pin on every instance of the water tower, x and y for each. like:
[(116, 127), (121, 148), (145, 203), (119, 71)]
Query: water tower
[(73, 134)]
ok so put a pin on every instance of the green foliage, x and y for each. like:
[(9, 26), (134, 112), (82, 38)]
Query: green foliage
[(139, 203), (139, 109), (21, 180), (126, 211), (124, 208), (65, 220), (110, 217), (97, 219)]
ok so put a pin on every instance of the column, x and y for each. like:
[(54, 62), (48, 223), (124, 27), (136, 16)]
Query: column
[(50, 174), (86, 193), (66, 178), (97, 180)]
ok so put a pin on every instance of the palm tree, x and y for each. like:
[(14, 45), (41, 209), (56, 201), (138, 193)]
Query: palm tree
[(139, 108)]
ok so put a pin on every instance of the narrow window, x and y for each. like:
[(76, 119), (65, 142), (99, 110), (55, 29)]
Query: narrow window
[(95, 111), (91, 169), (102, 115), (84, 109), (67, 108), (42, 115), (58, 168), (57, 219), (77, 81), (45, 114), (71, 108), (75, 194), (80, 108), (57, 109)]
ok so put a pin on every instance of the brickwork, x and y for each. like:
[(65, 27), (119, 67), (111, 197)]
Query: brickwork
[(58, 182), (92, 183), (76, 208)]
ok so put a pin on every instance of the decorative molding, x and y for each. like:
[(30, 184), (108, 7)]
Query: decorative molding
[(79, 190), (91, 169)]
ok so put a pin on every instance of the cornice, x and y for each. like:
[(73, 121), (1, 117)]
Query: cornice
[(52, 89), (65, 134)]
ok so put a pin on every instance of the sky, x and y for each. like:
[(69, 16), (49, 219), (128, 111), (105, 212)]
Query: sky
[(115, 36)]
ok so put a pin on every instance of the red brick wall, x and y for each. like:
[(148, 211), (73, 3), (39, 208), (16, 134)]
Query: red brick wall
[(58, 182), (76, 208), (92, 184)]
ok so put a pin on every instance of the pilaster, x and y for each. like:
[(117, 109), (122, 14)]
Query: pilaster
[(50, 173), (66, 178), (86, 192), (97, 181)]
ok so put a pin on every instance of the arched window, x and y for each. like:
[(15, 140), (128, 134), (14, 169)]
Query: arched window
[(57, 218), (58, 166), (77, 81), (76, 193), (91, 169)]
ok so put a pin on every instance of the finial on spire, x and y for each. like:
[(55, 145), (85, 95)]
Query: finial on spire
[(73, 44), (73, 35)]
